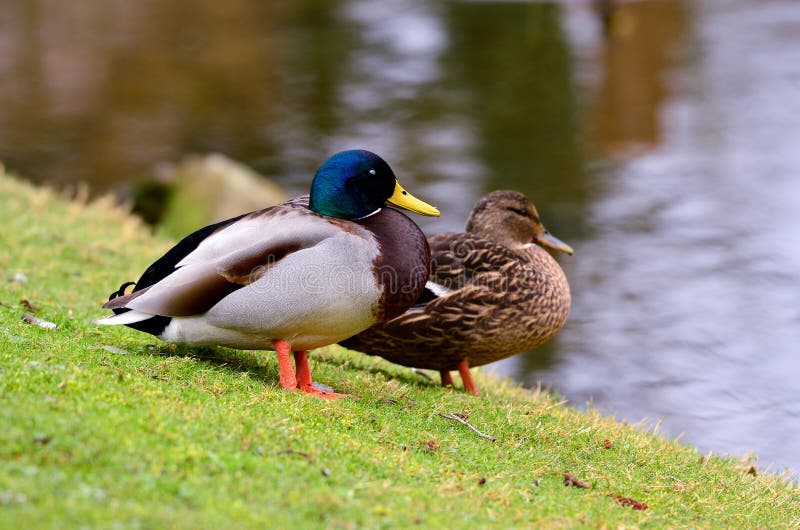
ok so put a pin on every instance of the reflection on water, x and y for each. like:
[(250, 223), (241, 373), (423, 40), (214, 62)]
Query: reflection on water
[(635, 59), (656, 138), (686, 302)]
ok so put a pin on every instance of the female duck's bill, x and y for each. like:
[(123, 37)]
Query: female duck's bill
[(238, 283)]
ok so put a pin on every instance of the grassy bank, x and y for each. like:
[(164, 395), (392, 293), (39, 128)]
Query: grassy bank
[(106, 428)]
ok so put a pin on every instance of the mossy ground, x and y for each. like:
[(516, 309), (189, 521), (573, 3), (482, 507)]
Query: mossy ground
[(107, 428)]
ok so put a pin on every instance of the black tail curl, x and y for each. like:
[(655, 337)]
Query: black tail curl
[(121, 291)]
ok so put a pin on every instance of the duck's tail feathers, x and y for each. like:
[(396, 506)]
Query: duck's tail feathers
[(128, 317)]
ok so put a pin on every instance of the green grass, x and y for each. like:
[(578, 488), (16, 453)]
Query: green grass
[(156, 436)]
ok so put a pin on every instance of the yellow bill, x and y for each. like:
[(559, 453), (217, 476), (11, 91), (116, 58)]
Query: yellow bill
[(402, 199)]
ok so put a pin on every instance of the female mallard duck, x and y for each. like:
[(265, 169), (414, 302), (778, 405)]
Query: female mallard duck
[(493, 292), (296, 276)]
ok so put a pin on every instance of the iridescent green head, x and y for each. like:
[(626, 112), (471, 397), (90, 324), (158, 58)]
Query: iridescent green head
[(354, 184)]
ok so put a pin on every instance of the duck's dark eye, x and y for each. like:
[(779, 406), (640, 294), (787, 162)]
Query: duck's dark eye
[(523, 213)]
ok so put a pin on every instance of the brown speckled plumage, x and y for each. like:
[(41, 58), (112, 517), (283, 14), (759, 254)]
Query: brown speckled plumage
[(505, 293)]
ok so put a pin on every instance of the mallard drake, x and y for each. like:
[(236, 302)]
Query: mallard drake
[(493, 292), (299, 275)]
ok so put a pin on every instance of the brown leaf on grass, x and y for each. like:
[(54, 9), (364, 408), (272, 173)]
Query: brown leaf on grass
[(430, 446), (628, 502), (572, 480), (29, 306)]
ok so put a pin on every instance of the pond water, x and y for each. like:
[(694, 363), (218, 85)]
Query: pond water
[(660, 139)]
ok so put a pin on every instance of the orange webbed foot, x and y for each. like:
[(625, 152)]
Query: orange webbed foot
[(304, 383), (325, 394)]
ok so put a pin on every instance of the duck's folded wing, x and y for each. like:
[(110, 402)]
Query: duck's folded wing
[(196, 288), (208, 243), (223, 263), (444, 320)]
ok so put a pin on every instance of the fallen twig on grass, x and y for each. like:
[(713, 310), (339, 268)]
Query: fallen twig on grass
[(422, 374), (36, 321), (298, 453), (453, 416)]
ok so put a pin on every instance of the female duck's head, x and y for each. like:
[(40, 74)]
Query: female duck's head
[(354, 184), (509, 218)]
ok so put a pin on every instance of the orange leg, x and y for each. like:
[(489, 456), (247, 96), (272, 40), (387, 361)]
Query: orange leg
[(303, 370), (304, 382), (447, 379), (466, 377), (287, 377)]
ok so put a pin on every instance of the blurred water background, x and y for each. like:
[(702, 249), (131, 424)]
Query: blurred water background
[(661, 139)]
